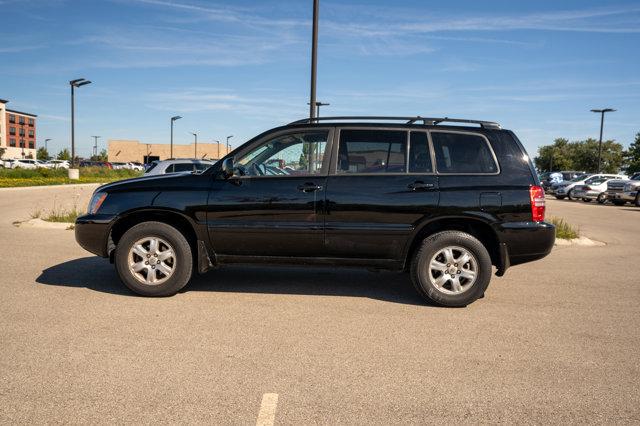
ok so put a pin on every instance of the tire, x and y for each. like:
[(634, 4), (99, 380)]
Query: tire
[(637, 202), (560, 197), (570, 195), (586, 200), (424, 278), (602, 198), (170, 243), (619, 202)]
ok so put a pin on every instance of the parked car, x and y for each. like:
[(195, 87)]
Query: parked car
[(59, 164), (555, 178), (620, 191), (595, 189), (442, 202), (119, 166), (25, 163), (87, 163), (566, 189), (178, 166), (136, 166)]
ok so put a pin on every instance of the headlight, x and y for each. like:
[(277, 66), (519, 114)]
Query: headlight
[(96, 201)]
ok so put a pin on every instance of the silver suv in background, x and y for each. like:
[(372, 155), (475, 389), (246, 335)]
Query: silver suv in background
[(621, 191), (178, 166)]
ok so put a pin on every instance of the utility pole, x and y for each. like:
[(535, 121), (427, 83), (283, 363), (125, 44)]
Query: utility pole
[(195, 151), (218, 143), (79, 82), (177, 117), (602, 112), (95, 145), (314, 59)]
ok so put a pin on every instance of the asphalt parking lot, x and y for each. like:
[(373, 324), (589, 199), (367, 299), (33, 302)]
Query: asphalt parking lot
[(554, 341)]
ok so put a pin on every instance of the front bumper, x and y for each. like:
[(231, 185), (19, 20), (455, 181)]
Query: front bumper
[(92, 233)]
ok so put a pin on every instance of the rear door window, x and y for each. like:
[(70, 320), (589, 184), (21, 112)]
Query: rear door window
[(419, 154), (463, 153), (372, 151)]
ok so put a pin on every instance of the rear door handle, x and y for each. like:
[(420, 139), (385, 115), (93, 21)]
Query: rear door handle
[(309, 187), (421, 186)]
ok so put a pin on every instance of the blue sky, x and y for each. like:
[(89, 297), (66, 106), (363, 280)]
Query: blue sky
[(242, 67)]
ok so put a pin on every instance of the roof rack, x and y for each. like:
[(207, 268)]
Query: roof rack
[(427, 121)]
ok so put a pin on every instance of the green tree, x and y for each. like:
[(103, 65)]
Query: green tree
[(64, 155), (2, 151), (632, 156), (42, 153), (554, 157), (103, 156), (585, 156)]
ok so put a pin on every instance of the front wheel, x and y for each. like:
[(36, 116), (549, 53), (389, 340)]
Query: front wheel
[(451, 268), (154, 259), (570, 195), (602, 198), (637, 202)]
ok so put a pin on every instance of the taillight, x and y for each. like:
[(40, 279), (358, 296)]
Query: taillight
[(586, 188), (536, 194)]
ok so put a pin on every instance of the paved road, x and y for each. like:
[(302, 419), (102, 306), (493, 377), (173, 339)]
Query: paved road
[(552, 342)]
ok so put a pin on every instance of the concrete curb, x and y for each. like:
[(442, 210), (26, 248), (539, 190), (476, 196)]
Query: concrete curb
[(69, 185), (39, 223), (582, 241)]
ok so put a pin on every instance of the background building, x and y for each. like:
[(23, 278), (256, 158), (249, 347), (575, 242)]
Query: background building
[(17, 132), (134, 151)]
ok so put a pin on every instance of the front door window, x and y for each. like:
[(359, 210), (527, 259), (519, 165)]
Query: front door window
[(294, 154)]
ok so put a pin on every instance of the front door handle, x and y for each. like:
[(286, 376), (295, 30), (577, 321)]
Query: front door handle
[(309, 187), (421, 186)]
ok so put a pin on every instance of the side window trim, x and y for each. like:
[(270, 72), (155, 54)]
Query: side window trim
[(324, 170), (460, 132)]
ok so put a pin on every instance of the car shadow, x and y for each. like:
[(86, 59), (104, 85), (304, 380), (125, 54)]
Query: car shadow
[(99, 275), (636, 209)]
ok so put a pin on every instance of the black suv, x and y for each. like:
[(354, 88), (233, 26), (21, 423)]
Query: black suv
[(443, 202)]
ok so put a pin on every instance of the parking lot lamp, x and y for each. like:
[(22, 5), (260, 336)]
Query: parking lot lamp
[(174, 118), (95, 144), (228, 145), (46, 146), (602, 112), (195, 150), (318, 105), (314, 59), (79, 82)]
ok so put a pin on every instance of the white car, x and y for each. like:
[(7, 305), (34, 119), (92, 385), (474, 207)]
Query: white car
[(59, 164), (566, 189), (120, 166), (594, 188), (25, 163), (136, 166), (178, 166)]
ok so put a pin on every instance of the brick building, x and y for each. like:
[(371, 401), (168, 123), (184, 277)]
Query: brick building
[(17, 132), (133, 151)]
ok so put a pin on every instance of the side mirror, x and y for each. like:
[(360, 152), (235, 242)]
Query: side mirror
[(227, 168)]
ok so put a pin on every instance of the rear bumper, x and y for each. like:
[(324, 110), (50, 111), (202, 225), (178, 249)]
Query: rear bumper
[(624, 196), (92, 233), (527, 241)]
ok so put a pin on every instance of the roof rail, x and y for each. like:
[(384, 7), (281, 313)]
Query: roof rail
[(427, 121)]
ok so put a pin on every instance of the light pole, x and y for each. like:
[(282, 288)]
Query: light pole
[(228, 145), (95, 145), (314, 59), (195, 150), (602, 112), (79, 82), (46, 146), (218, 143), (177, 117), (318, 105)]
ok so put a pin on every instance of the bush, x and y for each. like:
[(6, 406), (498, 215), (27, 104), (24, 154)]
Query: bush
[(37, 177), (564, 230)]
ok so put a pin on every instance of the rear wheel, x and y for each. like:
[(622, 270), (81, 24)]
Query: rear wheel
[(451, 268), (154, 259), (570, 195), (637, 202)]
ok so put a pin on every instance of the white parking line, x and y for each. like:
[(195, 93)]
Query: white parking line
[(267, 413)]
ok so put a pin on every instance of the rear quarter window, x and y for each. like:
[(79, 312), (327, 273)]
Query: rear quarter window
[(463, 153)]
